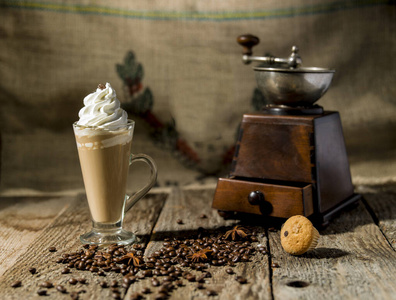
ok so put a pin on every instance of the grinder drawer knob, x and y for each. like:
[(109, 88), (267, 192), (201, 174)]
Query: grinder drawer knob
[(256, 198)]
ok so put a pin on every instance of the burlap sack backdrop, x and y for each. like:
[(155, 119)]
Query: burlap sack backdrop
[(177, 69)]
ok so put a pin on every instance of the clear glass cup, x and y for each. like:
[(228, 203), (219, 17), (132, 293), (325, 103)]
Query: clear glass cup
[(105, 157)]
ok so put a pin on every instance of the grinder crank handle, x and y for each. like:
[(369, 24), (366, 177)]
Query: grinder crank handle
[(248, 41)]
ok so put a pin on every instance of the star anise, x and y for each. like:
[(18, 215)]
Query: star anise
[(237, 230), (131, 258), (199, 255)]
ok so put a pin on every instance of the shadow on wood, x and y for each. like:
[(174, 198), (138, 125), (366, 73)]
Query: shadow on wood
[(320, 253)]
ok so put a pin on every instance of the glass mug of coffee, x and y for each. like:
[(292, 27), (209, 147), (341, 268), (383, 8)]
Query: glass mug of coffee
[(105, 157)]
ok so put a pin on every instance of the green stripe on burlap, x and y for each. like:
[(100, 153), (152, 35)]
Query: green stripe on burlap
[(193, 15)]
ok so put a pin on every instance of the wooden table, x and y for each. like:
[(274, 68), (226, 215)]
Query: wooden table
[(355, 257)]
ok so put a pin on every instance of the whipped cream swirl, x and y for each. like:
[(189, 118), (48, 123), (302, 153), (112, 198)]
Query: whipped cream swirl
[(102, 109)]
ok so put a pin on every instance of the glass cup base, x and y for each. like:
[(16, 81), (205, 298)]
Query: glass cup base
[(105, 236)]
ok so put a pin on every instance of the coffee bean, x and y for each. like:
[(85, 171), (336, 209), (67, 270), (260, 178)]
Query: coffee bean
[(161, 296), (230, 271), (125, 285), (32, 271), (211, 293), (163, 272), (103, 284), (74, 295), (201, 279), (16, 284), (82, 280), (156, 272), (46, 284), (150, 265), (275, 265), (164, 289), (65, 271), (124, 271), (114, 283), (126, 281), (52, 249), (200, 286), (203, 216), (253, 238), (61, 288), (116, 296), (241, 279), (155, 282), (179, 221), (135, 296), (148, 273), (95, 269), (129, 279), (198, 267), (73, 281), (146, 290), (42, 292)]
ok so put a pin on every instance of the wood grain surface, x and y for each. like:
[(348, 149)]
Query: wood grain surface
[(383, 206), (21, 222), (63, 234), (353, 260), (188, 205)]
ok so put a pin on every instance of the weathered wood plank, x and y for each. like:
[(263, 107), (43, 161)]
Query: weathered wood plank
[(382, 201), (353, 260), (21, 221), (188, 205), (63, 233)]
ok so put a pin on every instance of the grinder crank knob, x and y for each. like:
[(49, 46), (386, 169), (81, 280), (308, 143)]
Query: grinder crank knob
[(247, 41)]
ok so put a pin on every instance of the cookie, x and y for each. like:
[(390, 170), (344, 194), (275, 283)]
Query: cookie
[(298, 235)]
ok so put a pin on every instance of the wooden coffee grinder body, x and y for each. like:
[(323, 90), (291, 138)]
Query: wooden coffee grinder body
[(297, 163)]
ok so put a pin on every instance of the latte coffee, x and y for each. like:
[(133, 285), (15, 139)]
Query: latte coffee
[(104, 159), (104, 135)]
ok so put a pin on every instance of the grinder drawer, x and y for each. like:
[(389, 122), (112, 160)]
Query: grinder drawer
[(273, 200)]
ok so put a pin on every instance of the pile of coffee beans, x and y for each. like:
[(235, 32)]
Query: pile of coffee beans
[(178, 262)]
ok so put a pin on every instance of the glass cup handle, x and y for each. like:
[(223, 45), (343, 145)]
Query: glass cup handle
[(132, 200)]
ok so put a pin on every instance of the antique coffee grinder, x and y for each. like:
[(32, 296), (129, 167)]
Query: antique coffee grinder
[(290, 158)]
